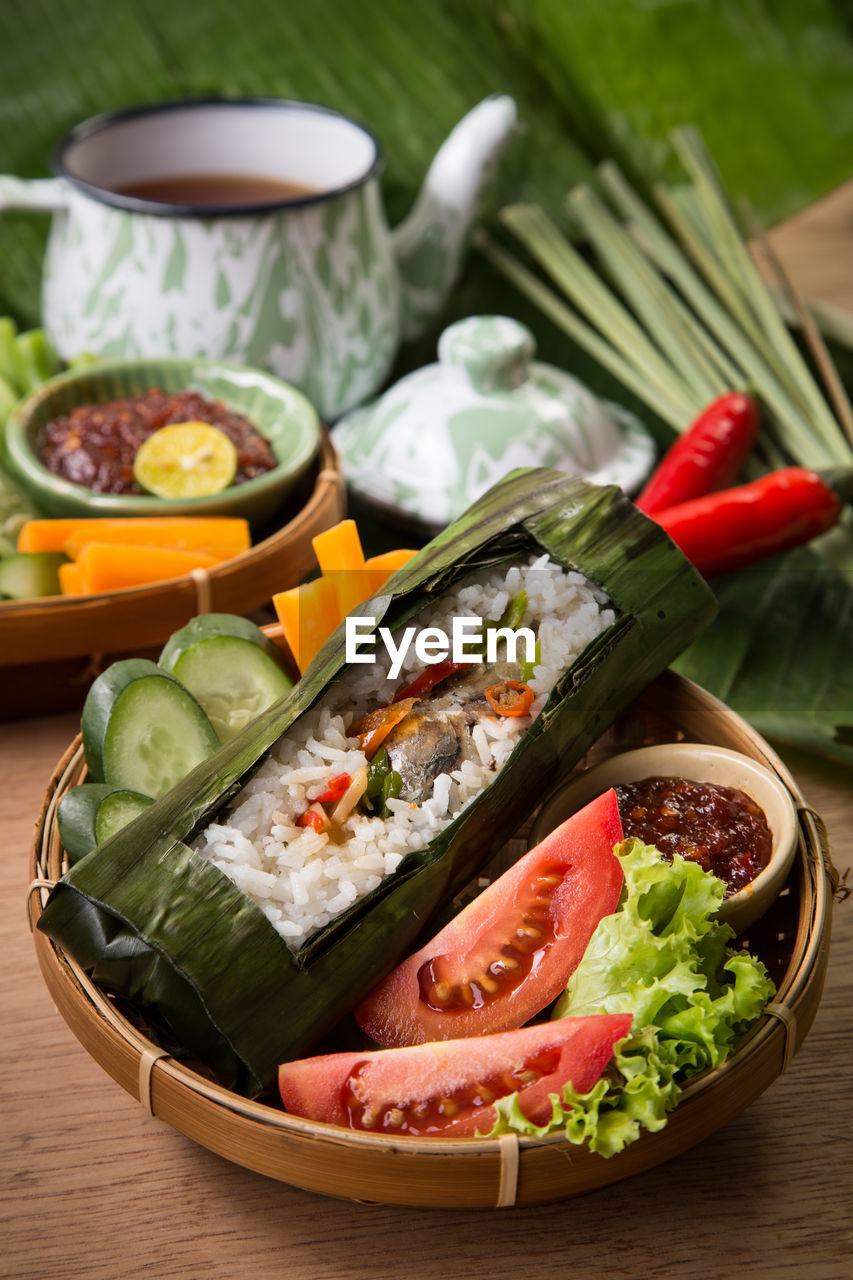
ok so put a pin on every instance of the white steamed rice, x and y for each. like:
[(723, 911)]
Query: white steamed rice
[(299, 877)]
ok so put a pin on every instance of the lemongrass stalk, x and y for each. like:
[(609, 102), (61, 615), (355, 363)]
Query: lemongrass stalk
[(590, 295), (647, 232), (662, 249), (725, 232), (743, 326), (642, 287), (685, 217), (723, 237), (587, 289), (577, 329), (721, 374), (730, 374), (703, 296), (760, 372), (835, 389), (727, 281), (696, 159), (834, 322), (587, 292)]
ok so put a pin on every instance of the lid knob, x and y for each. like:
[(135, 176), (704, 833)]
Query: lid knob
[(494, 351)]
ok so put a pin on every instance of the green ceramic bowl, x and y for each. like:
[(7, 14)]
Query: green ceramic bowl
[(279, 411)]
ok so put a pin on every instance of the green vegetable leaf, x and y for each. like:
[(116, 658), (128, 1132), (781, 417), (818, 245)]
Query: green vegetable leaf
[(728, 65), (662, 956)]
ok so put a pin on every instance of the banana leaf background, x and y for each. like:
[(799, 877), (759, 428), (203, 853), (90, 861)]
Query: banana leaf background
[(767, 81)]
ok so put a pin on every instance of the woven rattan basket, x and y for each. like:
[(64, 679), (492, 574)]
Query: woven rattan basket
[(79, 635), (792, 940)]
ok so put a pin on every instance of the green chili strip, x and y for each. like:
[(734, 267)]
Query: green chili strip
[(377, 771), (527, 667), (511, 617), (391, 788)]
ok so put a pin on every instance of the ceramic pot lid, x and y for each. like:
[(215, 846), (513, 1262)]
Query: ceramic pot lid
[(443, 435)]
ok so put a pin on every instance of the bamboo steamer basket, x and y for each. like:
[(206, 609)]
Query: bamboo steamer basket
[(792, 940), (98, 627)]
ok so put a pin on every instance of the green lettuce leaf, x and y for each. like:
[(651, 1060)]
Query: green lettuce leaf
[(664, 957)]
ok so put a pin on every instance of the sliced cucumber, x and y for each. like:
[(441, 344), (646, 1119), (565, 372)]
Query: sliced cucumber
[(143, 730), (31, 573), (230, 666), (233, 680), (215, 624), (91, 812), (117, 810)]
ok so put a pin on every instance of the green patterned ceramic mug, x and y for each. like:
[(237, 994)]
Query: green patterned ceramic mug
[(312, 285)]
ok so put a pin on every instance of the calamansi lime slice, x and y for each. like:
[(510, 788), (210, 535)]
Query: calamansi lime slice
[(185, 460)]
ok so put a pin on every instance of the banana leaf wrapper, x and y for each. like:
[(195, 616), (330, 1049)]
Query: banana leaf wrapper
[(164, 929)]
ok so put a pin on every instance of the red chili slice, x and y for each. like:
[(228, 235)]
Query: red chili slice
[(336, 788), (511, 951), (428, 679), (311, 818), (447, 1089), (510, 698)]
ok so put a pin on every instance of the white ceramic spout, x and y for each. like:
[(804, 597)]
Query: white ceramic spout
[(430, 242)]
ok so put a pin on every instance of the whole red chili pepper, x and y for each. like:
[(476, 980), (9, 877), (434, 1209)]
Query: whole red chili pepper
[(738, 527), (708, 456)]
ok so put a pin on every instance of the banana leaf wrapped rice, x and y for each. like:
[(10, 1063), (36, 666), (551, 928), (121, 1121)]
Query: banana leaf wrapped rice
[(209, 946)]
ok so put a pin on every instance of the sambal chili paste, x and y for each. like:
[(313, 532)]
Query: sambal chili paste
[(721, 828), (95, 444)]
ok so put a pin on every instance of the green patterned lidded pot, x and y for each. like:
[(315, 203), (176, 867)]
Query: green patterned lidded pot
[(445, 434), (252, 231)]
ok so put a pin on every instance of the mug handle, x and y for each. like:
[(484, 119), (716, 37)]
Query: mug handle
[(41, 195)]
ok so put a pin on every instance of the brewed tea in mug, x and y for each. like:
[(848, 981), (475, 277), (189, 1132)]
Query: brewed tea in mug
[(215, 189)]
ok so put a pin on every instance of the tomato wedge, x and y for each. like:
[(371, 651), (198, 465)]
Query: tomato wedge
[(447, 1089), (511, 951)]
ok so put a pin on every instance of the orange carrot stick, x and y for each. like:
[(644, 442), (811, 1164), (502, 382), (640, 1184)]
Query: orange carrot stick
[(339, 547), (308, 616), (108, 567), (71, 579), (222, 536), (341, 560), (381, 567)]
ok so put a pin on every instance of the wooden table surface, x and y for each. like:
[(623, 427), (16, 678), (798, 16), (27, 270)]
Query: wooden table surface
[(93, 1188)]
